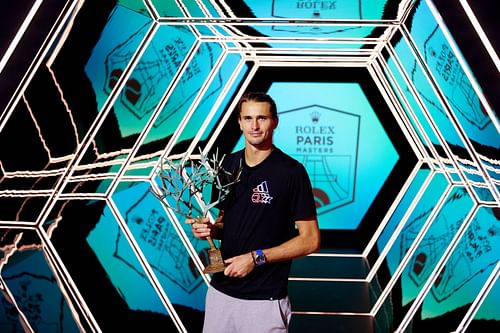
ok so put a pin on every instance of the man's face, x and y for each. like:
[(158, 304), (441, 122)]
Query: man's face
[(257, 124)]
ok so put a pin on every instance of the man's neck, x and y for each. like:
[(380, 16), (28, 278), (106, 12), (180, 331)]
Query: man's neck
[(254, 156)]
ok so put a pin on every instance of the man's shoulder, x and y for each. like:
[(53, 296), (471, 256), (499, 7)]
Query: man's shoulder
[(234, 155), (289, 160), (233, 159)]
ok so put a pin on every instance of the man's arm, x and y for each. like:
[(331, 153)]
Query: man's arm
[(307, 241)]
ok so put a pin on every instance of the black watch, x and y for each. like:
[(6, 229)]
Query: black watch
[(259, 258)]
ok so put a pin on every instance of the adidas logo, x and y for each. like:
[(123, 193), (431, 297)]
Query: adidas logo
[(261, 194)]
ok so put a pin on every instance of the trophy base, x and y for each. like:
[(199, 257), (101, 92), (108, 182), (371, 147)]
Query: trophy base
[(216, 263)]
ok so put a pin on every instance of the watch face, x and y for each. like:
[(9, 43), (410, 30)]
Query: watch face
[(260, 258)]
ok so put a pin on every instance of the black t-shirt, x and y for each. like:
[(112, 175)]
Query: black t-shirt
[(260, 212)]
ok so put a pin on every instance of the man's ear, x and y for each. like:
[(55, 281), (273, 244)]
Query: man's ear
[(276, 121)]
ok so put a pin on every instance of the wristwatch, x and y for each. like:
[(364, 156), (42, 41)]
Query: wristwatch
[(259, 257)]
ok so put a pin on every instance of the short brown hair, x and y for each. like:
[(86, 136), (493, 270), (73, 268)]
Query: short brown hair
[(259, 97)]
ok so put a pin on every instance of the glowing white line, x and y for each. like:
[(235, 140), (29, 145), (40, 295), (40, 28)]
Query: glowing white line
[(483, 293), (63, 277), (414, 245), (464, 65), (23, 225), (453, 243), (327, 279), (144, 262), (337, 255), (9, 250), (481, 33), (276, 21), (19, 34), (66, 28), (302, 40), (330, 313), (39, 57), (25, 193), (63, 100), (443, 100), (153, 13)]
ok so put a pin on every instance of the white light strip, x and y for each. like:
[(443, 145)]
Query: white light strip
[(333, 313), (17, 225), (428, 74), (313, 279), (227, 115), (153, 13), (230, 82), (185, 239), (19, 34), (156, 113), (314, 48), (25, 193), (275, 21), (99, 120), (63, 31), (233, 103), (82, 196), (302, 40), (189, 113), (388, 91), (194, 105), (299, 63), (387, 217), (410, 110), (385, 37), (464, 65), (142, 259), (485, 290), (481, 33), (420, 101), (64, 278), (414, 245), (435, 272), (7, 252), (337, 255), (227, 8), (39, 57), (401, 104)]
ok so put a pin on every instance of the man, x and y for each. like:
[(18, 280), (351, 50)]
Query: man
[(268, 219)]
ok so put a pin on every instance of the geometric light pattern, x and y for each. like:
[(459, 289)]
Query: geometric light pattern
[(111, 88)]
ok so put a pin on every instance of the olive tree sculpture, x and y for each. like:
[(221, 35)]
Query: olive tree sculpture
[(182, 188)]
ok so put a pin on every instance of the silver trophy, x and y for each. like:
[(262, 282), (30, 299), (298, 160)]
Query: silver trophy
[(187, 180)]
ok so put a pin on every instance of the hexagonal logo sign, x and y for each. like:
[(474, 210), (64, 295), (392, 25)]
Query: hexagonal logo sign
[(325, 141)]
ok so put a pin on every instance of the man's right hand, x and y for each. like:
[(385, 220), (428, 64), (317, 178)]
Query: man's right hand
[(201, 228)]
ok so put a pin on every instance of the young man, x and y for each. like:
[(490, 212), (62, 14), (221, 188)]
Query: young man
[(268, 219)]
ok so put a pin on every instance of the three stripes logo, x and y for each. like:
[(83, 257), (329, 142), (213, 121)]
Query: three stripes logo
[(261, 194)]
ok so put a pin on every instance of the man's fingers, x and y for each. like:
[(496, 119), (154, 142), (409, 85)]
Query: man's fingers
[(192, 221)]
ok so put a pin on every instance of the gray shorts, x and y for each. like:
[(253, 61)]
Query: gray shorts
[(226, 314)]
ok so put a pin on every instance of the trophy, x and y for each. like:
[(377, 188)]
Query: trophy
[(187, 180)]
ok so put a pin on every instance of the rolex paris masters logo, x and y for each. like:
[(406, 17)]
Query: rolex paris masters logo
[(325, 141)]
